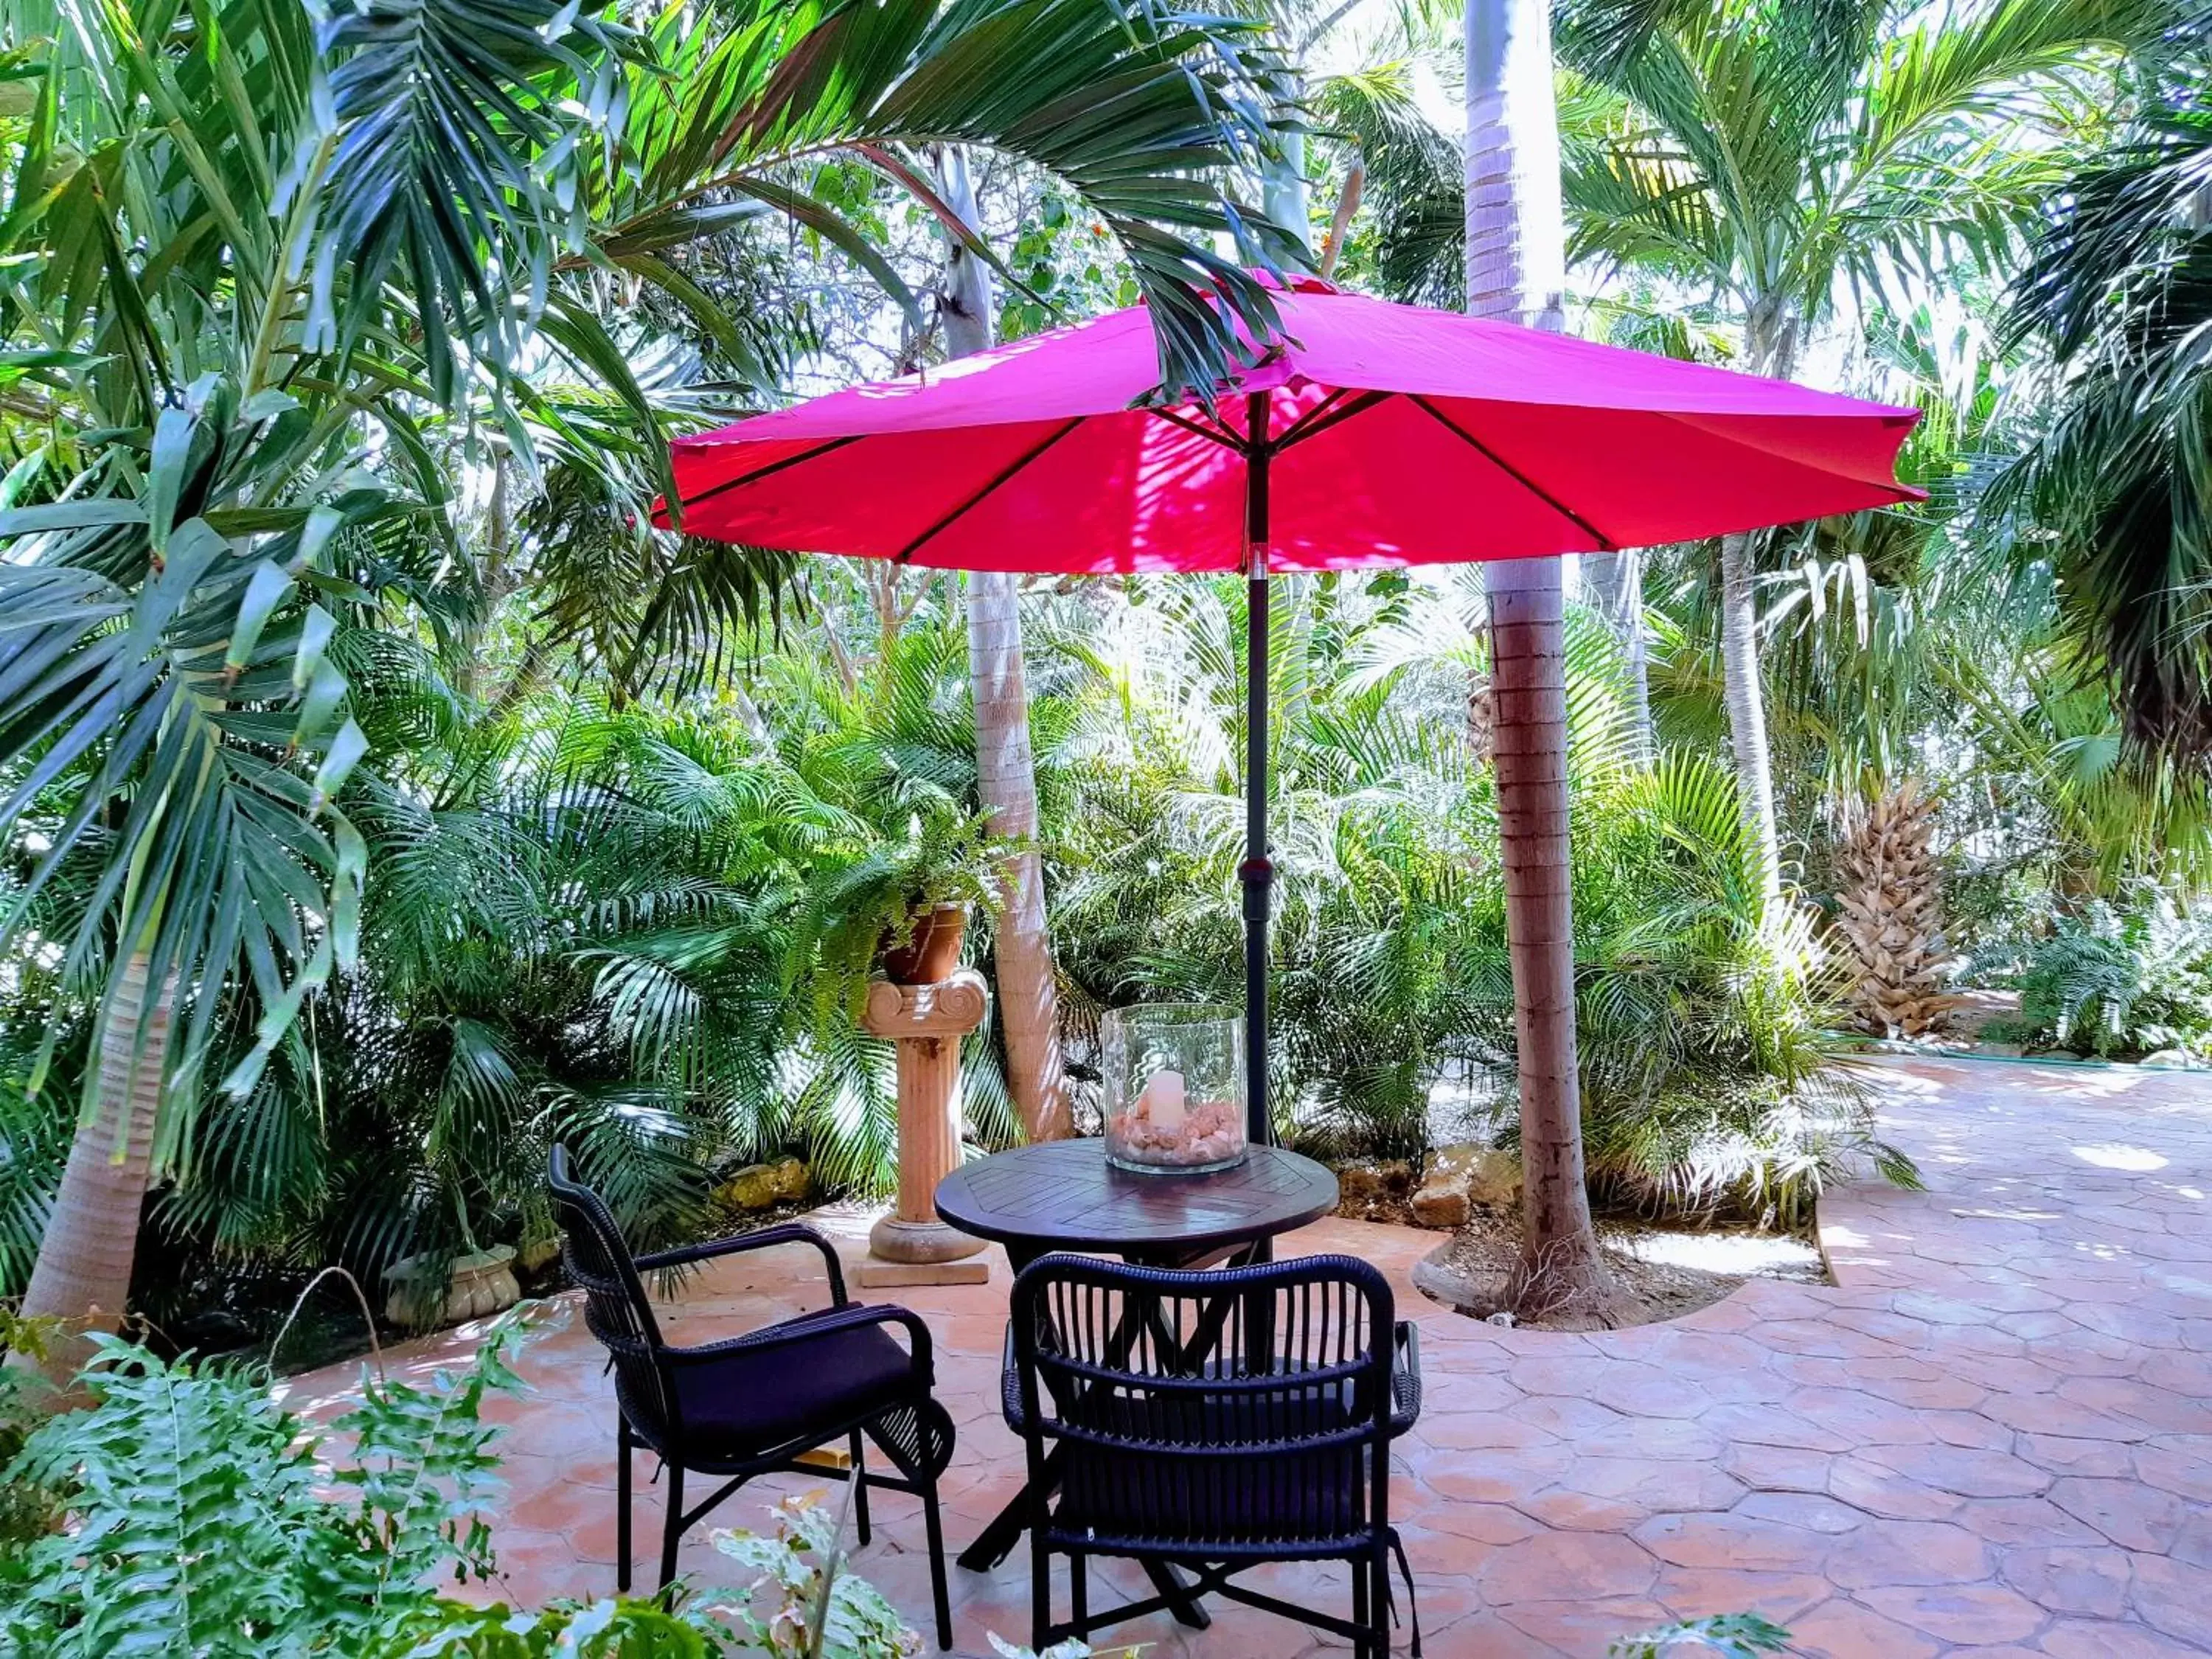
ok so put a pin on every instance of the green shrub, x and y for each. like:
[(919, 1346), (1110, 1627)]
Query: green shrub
[(199, 1522), (2115, 983), (26, 1508), (204, 1519)]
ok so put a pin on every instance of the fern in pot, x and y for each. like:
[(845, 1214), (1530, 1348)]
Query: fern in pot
[(895, 902)]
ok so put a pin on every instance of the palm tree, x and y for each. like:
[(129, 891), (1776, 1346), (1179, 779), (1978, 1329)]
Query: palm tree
[(1006, 770), (1515, 268), (2121, 289), (1780, 158), (262, 305)]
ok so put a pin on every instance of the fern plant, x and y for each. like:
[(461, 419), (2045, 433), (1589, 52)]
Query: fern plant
[(198, 1525), (871, 897), (205, 1520), (2116, 981)]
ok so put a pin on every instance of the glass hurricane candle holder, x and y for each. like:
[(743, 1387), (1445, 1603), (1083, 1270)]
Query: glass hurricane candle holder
[(1175, 1089)]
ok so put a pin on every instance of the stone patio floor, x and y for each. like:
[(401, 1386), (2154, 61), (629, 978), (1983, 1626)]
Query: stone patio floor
[(1993, 1435)]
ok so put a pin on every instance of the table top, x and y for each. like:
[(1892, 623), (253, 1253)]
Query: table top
[(1063, 1195)]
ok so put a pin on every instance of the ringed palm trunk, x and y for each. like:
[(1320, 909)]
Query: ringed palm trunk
[(1005, 769), (83, 1275), (1515, 268)]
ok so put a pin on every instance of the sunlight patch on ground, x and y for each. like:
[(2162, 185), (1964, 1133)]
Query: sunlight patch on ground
[(1745, 1255), (2098, 1252), (2112, 1155)]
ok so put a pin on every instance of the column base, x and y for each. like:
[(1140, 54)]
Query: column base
[(874, 1275), (894, 1243)]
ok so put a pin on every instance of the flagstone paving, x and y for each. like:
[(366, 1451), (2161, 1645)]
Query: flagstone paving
[(1992, 1435)]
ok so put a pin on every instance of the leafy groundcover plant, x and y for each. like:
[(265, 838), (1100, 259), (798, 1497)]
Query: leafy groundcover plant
[(199, 1517)]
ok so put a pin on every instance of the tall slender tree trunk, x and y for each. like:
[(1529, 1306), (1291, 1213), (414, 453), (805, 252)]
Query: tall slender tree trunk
[(1515, 268), (83, 1275), (1771, 339), (1005, 769), (1746, 716), (1614, 582)]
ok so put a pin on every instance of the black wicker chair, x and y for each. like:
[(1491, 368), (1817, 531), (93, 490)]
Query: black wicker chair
[(1213, 1422), (753, 1404)]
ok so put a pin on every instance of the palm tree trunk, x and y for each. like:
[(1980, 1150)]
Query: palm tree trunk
[(1005, 769), (1559, 1262), (1515, 267), (1770, 337), (1006, 779), (83, 1275), (1615, 581), (1746, 716)]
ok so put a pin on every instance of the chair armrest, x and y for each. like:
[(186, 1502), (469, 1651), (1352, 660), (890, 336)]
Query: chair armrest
[(790, 1232), (805, 1328), (1010, 1384), (1406, 1378)]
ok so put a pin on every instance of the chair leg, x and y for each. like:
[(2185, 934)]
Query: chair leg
[(1378, 1602), (938, 1591), (622, 1502), (1361, 1646), (1039, 1593), (671, 1532), (1078, 1592), (859, 1477)]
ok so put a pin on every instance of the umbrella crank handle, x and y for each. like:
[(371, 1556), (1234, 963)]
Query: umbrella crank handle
[(1258, 876)]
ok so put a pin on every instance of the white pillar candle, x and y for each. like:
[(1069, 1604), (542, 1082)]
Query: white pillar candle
[(1165, 1093)]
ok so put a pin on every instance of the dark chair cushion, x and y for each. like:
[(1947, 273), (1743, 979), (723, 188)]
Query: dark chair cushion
[(749, 1401)]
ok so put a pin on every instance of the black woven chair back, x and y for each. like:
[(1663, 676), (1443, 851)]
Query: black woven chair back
[(615, 1303), (1245, 1409)]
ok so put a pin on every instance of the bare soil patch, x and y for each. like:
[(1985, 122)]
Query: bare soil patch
[(1659, 1273)]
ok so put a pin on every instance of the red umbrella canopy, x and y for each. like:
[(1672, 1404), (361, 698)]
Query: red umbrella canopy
[(1388, 434)]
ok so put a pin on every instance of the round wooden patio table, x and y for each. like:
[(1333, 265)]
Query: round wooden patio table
[(1063, 1195)]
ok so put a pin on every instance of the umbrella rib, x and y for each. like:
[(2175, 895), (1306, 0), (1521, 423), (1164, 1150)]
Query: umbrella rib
[(1327, 413), (758, 473), (1221, 435), (1020, 461), (1605, 542)]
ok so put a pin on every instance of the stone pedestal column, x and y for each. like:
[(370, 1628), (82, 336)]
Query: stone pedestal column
[(911, 1246)]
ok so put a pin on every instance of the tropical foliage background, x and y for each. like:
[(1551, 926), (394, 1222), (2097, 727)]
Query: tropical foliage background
[(385, 799)]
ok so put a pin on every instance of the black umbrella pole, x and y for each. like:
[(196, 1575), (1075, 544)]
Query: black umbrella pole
[(1257, 873)]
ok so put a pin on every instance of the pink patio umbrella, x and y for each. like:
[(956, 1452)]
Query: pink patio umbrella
[(1368, 435)]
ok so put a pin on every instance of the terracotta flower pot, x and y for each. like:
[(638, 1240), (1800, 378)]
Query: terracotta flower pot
[(933, 953), (475, 1285)]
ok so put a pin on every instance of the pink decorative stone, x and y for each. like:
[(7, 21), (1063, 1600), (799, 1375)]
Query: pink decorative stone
[(1204, 1134)]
